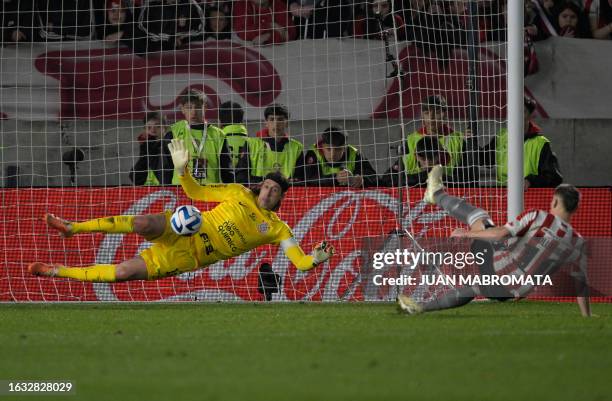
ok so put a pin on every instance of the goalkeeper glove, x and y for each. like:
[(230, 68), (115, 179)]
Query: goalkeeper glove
[(322, 252), (180, 155)]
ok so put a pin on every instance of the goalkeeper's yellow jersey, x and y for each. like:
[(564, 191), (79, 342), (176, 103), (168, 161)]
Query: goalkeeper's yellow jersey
[(238, 224)]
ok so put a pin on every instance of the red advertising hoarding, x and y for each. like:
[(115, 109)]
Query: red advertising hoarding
[(344, 217)]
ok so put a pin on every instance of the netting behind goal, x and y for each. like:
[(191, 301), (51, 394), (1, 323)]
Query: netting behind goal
[(79, 88)]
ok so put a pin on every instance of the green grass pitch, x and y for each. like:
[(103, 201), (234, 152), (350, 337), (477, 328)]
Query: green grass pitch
[(484, 351)]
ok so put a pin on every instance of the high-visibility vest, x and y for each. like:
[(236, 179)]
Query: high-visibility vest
[(238, 141), (451, 143), (283, 161), (151, 179), (532, 148), (206, 171), (326, 169), (235, 129)]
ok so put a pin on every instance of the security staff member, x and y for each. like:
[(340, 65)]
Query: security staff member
[(332, 162)]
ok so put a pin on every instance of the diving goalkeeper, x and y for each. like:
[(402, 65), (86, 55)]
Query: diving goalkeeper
[(243, 220), (538, 242)]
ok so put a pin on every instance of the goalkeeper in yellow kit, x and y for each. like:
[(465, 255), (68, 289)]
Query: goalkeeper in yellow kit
[(243, 220)]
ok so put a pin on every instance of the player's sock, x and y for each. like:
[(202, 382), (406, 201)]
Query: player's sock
[(452, 299), (95, 273), (460, 208), (113, 224)]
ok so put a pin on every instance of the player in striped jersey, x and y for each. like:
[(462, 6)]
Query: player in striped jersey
[(538, 243)]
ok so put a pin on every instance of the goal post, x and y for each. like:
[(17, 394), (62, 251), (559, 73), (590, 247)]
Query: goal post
[(515, 108)]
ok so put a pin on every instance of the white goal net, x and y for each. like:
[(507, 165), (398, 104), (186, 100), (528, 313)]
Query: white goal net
[(361, 97)]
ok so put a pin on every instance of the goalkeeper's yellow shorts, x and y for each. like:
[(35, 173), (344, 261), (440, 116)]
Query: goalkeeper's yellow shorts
[(173, 254)]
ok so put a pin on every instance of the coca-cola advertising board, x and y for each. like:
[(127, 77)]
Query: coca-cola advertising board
[(346, 218)]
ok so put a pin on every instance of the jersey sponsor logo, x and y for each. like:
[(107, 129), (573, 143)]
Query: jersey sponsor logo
[(228, 230), (208, 248), (227, 235), (263, 227), (547, 239), (552, 234)]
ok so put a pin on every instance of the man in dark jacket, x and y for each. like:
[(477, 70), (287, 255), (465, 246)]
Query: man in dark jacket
[(149, 168)]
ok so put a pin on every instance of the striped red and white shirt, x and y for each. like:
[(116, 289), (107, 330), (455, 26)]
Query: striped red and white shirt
[(540, 243)]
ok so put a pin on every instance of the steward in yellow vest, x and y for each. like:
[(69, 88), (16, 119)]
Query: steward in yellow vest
[(244, 164), (204, 142), (540, 165), (283, 154), (332, 162), (408, 171)]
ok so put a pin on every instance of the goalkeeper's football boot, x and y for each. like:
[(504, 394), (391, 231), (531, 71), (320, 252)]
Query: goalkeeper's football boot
[(268, 282), (63, 226), (408, 305), (434, 183), (42, 269)]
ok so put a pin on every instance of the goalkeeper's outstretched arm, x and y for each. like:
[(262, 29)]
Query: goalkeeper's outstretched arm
[(207, 193), (180, 157), (303, 262)]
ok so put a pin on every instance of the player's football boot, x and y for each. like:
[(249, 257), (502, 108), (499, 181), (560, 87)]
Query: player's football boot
[(63, 226), (434, 183), (42, 269), (408, 305)]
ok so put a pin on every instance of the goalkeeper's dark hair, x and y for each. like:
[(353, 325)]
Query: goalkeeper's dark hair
[(276, 110), (569, 195), (280, 179), (230, 113)]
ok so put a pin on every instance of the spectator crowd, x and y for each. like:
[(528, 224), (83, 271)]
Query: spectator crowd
[(157, 25), (226, 153)]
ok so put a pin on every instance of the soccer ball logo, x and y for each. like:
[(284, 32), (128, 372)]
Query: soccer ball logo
[(186, 220)]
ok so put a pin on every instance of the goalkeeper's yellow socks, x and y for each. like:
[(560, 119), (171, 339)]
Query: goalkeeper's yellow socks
[(113, 224), (95, 273)]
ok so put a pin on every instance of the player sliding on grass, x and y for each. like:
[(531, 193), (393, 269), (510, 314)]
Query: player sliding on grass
[(540, 242), (243, 220)]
